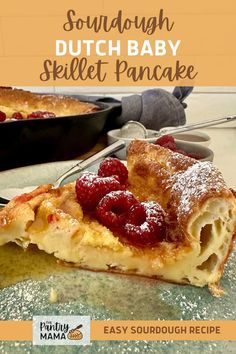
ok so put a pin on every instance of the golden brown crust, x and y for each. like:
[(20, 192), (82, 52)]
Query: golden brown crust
[(179, 183), (150, 170), (10, 212), (28, 196), (25, 102)]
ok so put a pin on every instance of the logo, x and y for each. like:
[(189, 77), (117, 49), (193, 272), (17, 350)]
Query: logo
[(61, 330), (75, 334)]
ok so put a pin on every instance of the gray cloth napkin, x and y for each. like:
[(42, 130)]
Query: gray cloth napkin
[(154, 108)]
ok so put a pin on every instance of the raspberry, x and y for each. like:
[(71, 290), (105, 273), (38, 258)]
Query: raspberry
[(138, 215), (2, 116), (112, 211), (164, 140), (182, 152), (145, 225), (113, 167), (41, 114), (167, 141), (17, 115), (90, 189), (171, 146), (194, 155)]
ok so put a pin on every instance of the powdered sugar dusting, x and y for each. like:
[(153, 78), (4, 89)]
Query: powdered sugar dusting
[(195, 182), (147, 228), (154, 212)]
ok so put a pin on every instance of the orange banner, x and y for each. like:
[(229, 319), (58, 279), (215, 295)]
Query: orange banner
[(163, 330), (136, 330), (103, 43), (16, 330)]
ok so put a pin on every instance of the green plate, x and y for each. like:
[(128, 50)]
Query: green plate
[(105, 296)]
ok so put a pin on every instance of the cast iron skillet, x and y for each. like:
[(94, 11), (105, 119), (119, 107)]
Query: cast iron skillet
[(32, 141)]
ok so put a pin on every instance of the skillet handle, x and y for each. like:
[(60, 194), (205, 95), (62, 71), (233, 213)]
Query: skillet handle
[(116, 110), (112, 102)]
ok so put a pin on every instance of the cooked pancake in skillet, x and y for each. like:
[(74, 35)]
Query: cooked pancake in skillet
[(20, 104)]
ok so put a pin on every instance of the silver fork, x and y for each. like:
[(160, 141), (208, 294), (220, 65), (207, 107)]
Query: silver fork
[(134, 129), (80, 166), (193, 126)]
